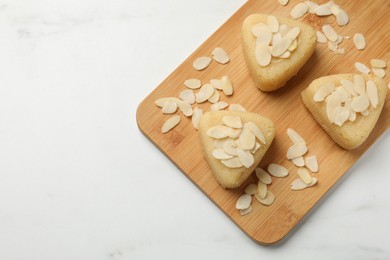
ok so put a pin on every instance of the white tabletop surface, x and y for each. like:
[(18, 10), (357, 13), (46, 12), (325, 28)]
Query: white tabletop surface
[(79, 181)]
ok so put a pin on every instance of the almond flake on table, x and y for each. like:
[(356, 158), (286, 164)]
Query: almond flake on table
[(193, 83), (201, 63), (312, 163), (360, 41), (277, 170), (299, 10), (283, 2), (170, 124), (362, 68), (220, 55)]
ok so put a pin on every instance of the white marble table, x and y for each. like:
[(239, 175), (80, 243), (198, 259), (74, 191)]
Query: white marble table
[(79, 181)]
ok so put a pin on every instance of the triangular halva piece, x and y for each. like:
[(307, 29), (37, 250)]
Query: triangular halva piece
[(233, 143), (347, 106), (275, 49)]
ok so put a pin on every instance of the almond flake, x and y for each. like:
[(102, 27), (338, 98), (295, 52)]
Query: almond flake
[(256, 131), (262, 32), (360, 103), (227, 86), (298, 184), (246, 139), (312, 6), (244, 212), (263, 176), (169, 107), (304, 175), (359, 84), (330, 33), (323, 10), (232, 121), (285, 55), (217, 83), (201, 63), (323, 91), (170, 123), (296, 150), (161, 101), (332, 102), (275, 38), (362, 68), (342, 93), (348, 86), (293, 45), (221, 154), (234, 132), (312, 163), (234, 162), (197, 114), (277, 170), (293, 33), (261, 190), (299, 10), (340, 51), (340, 115), (273, 23), (219, 106), (283, 29), (295, 137), (379, 72), (298, 161), (377, 63), (332, 46), (268, 200), (218, 132), (244, 201), (214, 97), (372, 93), (283, 2), (187, 95), (230, 147), (257, 146), (218, 143), (246, 158), (335, 9), (251, 189), (359, 41), (236, 107), (220, 55), (342, 18), (263, 54), (193, 83), (186, 108), (280, 47), (205, 92)]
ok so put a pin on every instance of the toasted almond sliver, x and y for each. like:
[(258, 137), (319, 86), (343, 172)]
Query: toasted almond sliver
[(261, 189), (299, 10), (247, 139), (298, 161), (362, 68), (169, 107), (323, 10), (263, 176), (296, 150), (234, 162), (277, 170), (372, 93), (348, 86), (377, 63), (359, 41), (216, 83), (186, 108), (312, 163), (295, 137), (312, 6), (219, 106), (263, 54), (262, 32), (244, 201), (360, 103), (304, 175), (330, 33), (220, 55), (298, 184), (359, 84), (273, 23), (201, 63), (170, 124), (246, 211), (251, 189), (379, 72), (232, 121), (187, 95), (227, 86), (323, 91), (193, 83), (197, 114), (218, 131), (256, 131), (268, 200), (321, 38), (342, 18), (283, 2), (280, 47), (246, 158), (236, 107), (221, 154)]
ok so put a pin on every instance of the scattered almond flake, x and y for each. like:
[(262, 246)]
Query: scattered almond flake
[(339, 39), (247, 139), (372, 93), (268, 200), (246, 158), (169, 107), (277, 170), (335, 9), (280, 47), (197, 114), (262, 32), (193, 83), (256, 131), (283, 29), (340, 115), (276, 37), (186, 108), (217, 83), (296, 150), (377, 63), (348, 86), (214, 97), (251, 189), (342, 94), (261, 189), (295, 137), (330, 33), (299, 10), (312, 6), (170, 124), (321, 38), (298, 184), (342, 18), (283, 2), (244, 201), (218, 131), (352, 114), (236, 107), (312, 163), (293, 33), (304, 175), (323, 10), (257, 146), (201, 63), (323, 91), (244, 212), (340, 51), (362, 68), (234, 133), (293, 45), (187, 95), (220, 55), (359, 84), (205, 92), (360, 103), (379, 72), (332, 46), (263, 54), (161, 101), (359, 41), (332, 102), (234, 162), (273, 23), (232, 121), (221, 154), (230, 147), (263, 176), (218, 143), (298, 161), (227, 86), (219, 106)]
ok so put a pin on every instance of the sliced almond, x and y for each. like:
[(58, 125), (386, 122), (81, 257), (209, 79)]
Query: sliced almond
[(246, 158), (360, 103), (377, 63), (362, 68), (261, 189), (268, 200), (359, 84), (234, 132), (330, 33), (340, 51), (359, 41), (227, 86), (379, 72), (170, 124), (277, 170), (304, 175), (251, 189), (244, 212), (296, 150), (218, 132), (256, 131), (220, 55), (263, 54), (280, 47), (293, 45), (295, 137), (348, 86), (221, 154), (244, 201), (197, 114), (187, 95), (247, 139), (169, 107), (372, 93), (273, 23), (299, 10), (312, 6), (298, 184), (283, 29), (234, 162), (216, 83), (312, 163), (201, 63), (263, 176), (262, 32), (283, 2), (323, 91), (257, 146), (232, 121), (236, 107), (219, 106), (161, 101), (332, 46), (342, 93), (298, 161), (342, 18), (230, 148), (218, 143), (323, 10), (214, 97), (332, 102), (193, 83), (186, 108)]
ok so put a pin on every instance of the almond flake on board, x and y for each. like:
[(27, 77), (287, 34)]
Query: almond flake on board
[(197, 114), (360, 41), (220, 55), (268, 200), (323, 10), (298, 184), (251, 189), (305, 176), (201, 63), (298, 161), (379, 72), (330, 33), (378, 63), (312, 163), (193, 83), (283, 2), (236, 107), (296, 150), (227, 86), (246, 211), (263, 176), (277, 170), (187, 95), (244, 201), (261, 189), (362, 68), (170, 124), (295, 137), (321, 38), (342, 18), (169, 107), (312, 6), (219, 106), (299, 10)]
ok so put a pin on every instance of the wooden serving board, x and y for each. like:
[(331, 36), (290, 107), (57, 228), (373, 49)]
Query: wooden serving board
[(268, 225)]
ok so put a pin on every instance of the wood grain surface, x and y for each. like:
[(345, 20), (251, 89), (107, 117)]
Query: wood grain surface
[(268, 225)]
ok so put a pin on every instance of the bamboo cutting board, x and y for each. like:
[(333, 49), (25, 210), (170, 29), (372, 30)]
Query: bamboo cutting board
[(268, 225)]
